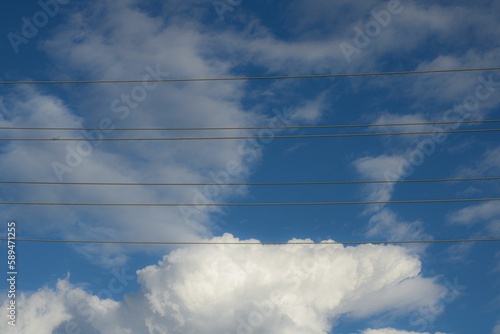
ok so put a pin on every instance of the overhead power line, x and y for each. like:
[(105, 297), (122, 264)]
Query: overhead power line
[(285, 183), (327, 135), (261, 204), (333, 126), (244, 243), (249, 78)]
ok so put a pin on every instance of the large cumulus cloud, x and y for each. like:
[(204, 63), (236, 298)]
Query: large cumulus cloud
[(242, 288)]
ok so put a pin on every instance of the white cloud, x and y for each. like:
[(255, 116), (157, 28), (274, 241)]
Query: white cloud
[(218, 289), (488, 164), (475, 213), (487, 213), (389, 118), (458, 253), (417, 25), (406, 31), (380, 168), (452, 89), (387, 223), (383, 221), (390, 298), (310, 111)]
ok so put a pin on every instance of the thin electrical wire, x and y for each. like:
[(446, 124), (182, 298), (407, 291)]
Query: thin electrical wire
[(333, 126), (328, 135), (290, 183), (244, 243), (262, 204), (249, 78)]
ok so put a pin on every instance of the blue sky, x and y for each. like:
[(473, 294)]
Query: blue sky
[(367, 289)]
